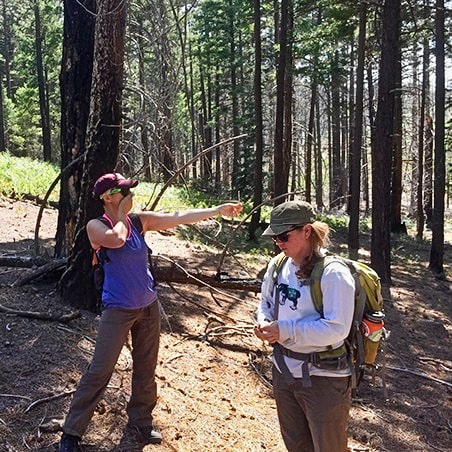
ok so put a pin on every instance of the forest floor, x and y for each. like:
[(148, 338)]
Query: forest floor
[(213, 374)]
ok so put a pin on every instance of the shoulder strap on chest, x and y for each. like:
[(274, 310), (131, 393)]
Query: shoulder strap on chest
[(281, 259), (105, 219), (316, 276)]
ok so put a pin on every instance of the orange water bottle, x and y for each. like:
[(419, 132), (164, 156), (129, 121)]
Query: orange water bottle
[(372, 328)]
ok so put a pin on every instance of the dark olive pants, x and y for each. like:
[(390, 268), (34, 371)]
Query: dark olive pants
[(313, 419), (114, 327)]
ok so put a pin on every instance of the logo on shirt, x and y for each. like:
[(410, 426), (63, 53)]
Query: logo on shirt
[(288, 293)]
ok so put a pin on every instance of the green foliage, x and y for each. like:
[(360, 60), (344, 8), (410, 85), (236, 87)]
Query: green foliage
[(145, 194), (322, 27), (199, 197), (21, 176), (22, 118), (339, 222), (23, 123)]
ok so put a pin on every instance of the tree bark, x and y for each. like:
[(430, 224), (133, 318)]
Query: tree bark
[(75, 83), (396, 185), (310, 138), (436, 264), (382, 152), (235, 102), (43, 100), (258, 131), (355, 157), (426, 204), (103, 135), (3, 146), (337, 163), (281, 165)]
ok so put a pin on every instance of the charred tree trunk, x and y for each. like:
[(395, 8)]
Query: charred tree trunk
[(43, 100), (337, 167), (75, 85), (281, 165), (102, 142)]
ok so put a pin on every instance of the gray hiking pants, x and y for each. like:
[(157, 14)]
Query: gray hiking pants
[(313, 419), (114, 327)]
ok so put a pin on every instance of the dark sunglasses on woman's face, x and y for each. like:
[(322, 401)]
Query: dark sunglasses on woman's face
[(284, 236)]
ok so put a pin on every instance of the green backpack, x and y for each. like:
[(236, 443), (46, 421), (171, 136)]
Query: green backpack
[(367, 330)]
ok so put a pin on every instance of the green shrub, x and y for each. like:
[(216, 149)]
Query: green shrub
[(21, 176)]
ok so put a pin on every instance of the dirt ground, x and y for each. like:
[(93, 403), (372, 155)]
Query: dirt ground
[(213, 374)]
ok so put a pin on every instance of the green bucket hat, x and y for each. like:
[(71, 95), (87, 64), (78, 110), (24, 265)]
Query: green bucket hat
[(287, 215)]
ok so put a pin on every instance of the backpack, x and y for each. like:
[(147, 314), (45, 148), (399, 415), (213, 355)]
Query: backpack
[(100, 256), (367, 330)]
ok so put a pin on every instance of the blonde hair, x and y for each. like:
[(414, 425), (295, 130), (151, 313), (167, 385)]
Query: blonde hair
[(319, 238)]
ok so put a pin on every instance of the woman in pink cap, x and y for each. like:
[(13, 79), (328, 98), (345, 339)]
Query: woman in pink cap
[(129, 300)]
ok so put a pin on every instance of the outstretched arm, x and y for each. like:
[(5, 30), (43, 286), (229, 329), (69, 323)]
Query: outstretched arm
[(155, 221)]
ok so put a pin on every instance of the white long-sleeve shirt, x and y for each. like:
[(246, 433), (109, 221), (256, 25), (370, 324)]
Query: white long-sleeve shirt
[(302, 329)]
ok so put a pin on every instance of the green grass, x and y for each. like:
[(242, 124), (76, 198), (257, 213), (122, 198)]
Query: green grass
[(21, 176)]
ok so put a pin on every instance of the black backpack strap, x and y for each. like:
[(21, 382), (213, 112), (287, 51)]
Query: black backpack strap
[(277, 347), (136, 221)]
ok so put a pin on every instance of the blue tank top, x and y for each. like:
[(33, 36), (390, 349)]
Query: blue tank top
[(128, 282)]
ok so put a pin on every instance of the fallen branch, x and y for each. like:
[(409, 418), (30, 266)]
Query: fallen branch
[(15, 396), (170, 273), (41, 271), (176, 273), (22, 261), (48, 399), (87, 338), (437, 361), (41, 315), (222, 330), (419, 374), (251, 359)]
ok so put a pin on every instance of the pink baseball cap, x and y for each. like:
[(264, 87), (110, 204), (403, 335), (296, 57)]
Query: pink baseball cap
[(112, 180)]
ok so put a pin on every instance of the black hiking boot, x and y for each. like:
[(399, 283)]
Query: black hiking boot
[(69, 443)]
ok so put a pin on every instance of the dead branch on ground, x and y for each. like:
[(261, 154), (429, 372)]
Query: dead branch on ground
[(252, 361), (15, 396), (41, 315), (420, 374), (22, 261), (48, 399), (41, 271), (170, 273), (176, 273), (224, 330)]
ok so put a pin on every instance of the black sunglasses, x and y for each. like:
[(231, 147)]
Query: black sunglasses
[(284, 236)]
